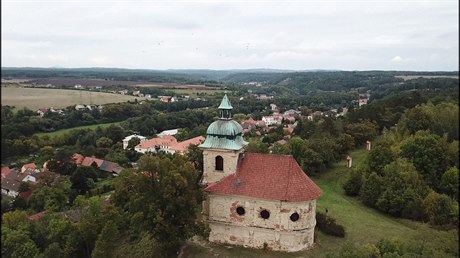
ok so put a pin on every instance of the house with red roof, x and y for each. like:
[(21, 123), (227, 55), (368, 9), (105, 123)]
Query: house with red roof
[(182, 147), (156, 144), (5, 171), (254, 200), (27, 166), (101, 164)]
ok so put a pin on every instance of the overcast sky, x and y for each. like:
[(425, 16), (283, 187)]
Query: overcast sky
[(345, 35)]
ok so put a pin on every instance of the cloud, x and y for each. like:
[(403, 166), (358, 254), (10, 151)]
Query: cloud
[(397, 59), (349, 35)]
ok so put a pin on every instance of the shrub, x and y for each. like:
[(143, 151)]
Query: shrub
[(328, 225), (353, 183)]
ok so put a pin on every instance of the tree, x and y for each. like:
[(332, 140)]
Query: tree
[(427, 154), (380, 156), (83, 179), (439, 208), (163, 199), (14, 219), (195, 155), (345, 142), (106, 242), (353, 182), (257, 147), (371, 189), (133, 142), (104, 142), (403, 190), (449, 183), (6, 203), (361, 131)]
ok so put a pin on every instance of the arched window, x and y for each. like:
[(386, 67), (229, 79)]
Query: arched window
[(219, 163)]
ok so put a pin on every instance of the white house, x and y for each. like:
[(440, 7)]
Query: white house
[(171, 132)]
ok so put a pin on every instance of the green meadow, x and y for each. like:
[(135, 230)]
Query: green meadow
[(64, 131)]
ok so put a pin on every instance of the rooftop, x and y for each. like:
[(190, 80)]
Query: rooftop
[(273, 177)]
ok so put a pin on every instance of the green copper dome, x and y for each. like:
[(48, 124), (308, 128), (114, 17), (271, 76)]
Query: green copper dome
[(224, 133), (225, 128)]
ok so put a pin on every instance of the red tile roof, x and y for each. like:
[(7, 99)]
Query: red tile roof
[(78, 158), (29, 165), (166, 140), (183, 146), (88, 161), (250, 121), (5, 171), (37, 216), (273, 177), (25, 195)]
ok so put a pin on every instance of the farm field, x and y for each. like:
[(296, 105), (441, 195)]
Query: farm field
[(413, 77), (34, 98), (362, 225)]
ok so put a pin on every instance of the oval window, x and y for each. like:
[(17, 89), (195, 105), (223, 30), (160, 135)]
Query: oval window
[(294, 217), (265, 214), (240, 210)]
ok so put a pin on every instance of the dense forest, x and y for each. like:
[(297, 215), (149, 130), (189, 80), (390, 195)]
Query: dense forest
[(153, 206)]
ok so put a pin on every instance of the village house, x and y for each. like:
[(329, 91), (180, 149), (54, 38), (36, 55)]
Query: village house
[(249, 124), (104, 165), (182, 147), (362, 102), (129, 137), (27, 166), (13, 179), (80, 107), (164, 99), (272, 120), (170, 132), (254, 200), (156, 144)]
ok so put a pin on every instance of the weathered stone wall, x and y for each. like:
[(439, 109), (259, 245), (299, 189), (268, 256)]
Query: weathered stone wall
[(279, 232), (210, 174)]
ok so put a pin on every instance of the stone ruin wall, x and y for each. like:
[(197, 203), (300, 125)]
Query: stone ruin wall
[(278, 232)]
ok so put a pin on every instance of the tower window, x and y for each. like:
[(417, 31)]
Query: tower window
[(219, 163), (240, 210), (294, 217), (265, 214)]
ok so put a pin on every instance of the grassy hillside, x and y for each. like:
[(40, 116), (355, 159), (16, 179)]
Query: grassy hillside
[(362, 225)]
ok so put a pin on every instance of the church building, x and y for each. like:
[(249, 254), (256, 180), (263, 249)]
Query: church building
[(254, 200)]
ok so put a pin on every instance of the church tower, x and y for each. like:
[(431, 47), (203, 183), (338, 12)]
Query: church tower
[(223, 145)]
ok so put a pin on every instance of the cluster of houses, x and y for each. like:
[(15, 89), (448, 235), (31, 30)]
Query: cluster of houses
[(42, 111), (165, 142), (12, 178), (110, 167)]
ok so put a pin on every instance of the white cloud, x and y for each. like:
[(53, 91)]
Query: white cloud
[(397, 59)]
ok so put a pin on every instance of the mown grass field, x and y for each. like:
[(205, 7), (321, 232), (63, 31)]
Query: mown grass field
[(63, 131), (34, 98), (196, 92), (362, 224)]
